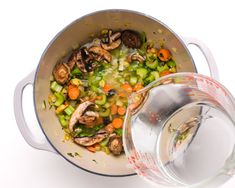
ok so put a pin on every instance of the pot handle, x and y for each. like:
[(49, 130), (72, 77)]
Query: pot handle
[(207, 53), (20, 118)]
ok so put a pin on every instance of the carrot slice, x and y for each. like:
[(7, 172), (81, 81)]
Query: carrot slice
[(164, 54), (117, 123), (127, 88), (106, 88), (97, 147), (138, 86), (91, 149), (73, 92), (122, 94), (114, 109), (165, 72), (121, 110)]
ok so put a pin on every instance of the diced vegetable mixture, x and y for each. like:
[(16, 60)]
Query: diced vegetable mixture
[(90, 86)]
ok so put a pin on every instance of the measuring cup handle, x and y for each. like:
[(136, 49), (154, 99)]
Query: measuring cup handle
[(20, 118), (207, 53)]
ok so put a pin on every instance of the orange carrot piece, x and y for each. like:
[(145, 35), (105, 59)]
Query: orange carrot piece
[(122, 94), (73, 92), (127, 87), (138, 86), (164, 54), (114, 109), (117, 123), (121, 110), (106, 88), (165, 72), (91, 149)]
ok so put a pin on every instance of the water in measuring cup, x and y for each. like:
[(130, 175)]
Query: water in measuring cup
[(188, 134)]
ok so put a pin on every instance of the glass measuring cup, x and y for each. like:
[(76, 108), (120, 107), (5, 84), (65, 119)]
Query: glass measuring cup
[(180, 131)]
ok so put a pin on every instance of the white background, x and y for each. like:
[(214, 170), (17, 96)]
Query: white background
[(26, 27)]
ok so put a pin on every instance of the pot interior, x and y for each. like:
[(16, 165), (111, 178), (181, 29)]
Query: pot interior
[(75, 34)]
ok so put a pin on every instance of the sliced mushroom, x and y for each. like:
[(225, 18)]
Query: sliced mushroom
[(101, 53), (89, 141), (89, 118), (86, 64), (136, 56), (131, 39), (75, 57), (61, 73), (113, 41), (77, 114), (115, 145)]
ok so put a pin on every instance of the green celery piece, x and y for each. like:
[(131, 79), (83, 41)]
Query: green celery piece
[(142, 72), (149, 79), (56, 87), (171, 63), (104, 142), (102, 101), (118, 131), (69, 110), (162, 68), (152, 64), (59, 99), (133, 80), (63, 121), (105, 113), (155, 74)]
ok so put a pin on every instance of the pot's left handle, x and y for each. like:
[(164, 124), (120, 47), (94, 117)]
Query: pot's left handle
[(20, 118)]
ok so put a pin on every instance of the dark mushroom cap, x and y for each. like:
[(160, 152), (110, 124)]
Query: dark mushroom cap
[(131, 39), (115, 145), (61, 73)]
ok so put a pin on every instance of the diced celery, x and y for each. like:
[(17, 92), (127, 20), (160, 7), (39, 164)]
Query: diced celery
[(94, 80), (104, 112), (102, 101), (101, 83), (69, 110), (94, 88), (106, 150), (151, 57), (173, 69), (67, 117), (149, 79), (142, 72), (152, 64), (107, 105), (171, 63), (118, 131), (155, 74), (104, 142), (59, 99), (56, 87), (63, 121), (133, 80), (162, 68)]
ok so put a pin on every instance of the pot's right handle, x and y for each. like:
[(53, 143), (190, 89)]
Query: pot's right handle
[(20, 119), (207, 53)]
